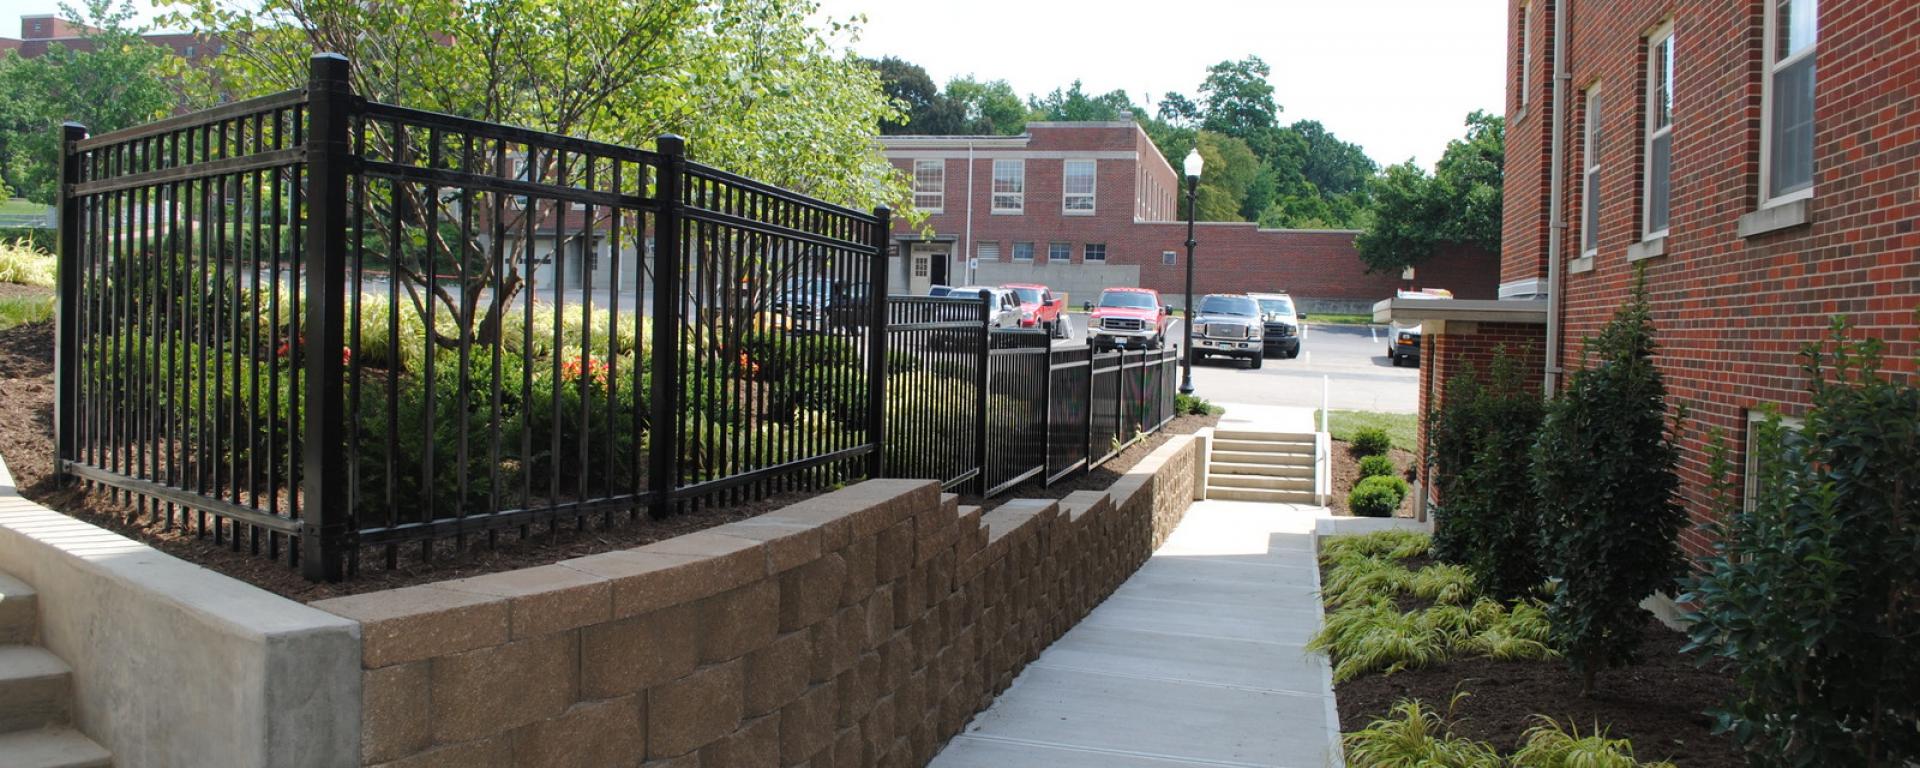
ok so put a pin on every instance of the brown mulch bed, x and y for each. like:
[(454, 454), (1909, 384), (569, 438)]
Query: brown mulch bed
[(1658, 703), (1346, 472), (1104, 475)]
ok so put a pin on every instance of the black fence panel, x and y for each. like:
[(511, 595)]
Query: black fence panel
[(1019, 363), (1068, 410), (935, 360)]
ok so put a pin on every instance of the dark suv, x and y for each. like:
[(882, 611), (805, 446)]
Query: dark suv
[(1229, 325)]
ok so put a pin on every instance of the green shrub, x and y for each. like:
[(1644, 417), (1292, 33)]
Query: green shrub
[(1604, 472), (1413, 735), (1189, 404), (21, 263), (1370, 441), (1376, 466), (1485, 512), (1377, 496), (1810, 595)]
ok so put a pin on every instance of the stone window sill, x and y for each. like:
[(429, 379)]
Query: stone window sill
[(1774, 218), (1580, 265), (1647, 249)]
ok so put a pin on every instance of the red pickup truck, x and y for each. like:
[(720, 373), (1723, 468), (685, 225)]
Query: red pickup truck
[(1128, 318), (1039, 308)]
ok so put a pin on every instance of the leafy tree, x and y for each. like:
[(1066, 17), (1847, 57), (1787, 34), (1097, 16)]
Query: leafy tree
[(756, 87), (1074, 104), (112, 82), (1486, 516), (1179, 110), (1812, 595), (1230, 171), (1236, 100), (1332, 166), (987, 108), (928, 112), (1604, 473), (1414, 215)]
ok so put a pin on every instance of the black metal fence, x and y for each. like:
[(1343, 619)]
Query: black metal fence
[(321, 329)]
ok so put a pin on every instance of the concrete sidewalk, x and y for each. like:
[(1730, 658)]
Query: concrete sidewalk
[(1197, 660)]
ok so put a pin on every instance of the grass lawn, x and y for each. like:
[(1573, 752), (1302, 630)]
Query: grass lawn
[(19, 310), (1403, 428), (1332, 318), (22, 207)]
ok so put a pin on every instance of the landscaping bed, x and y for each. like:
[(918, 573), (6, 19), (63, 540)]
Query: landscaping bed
[(1346, 472), (1657, 703)]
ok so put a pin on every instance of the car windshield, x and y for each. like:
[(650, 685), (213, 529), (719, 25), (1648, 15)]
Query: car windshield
[(1276, 306), (1227, 305), (1127, 300), (1027, 295)]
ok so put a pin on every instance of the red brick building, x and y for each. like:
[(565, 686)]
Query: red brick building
[(38, 33), (1083, 206), (1758, 159)]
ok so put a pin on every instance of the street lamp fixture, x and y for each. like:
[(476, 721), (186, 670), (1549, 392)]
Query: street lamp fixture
[(1194, 164)]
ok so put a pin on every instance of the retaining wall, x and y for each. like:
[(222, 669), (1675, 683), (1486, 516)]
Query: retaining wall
[(863, 627)]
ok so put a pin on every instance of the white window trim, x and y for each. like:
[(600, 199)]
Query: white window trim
[(1091, 194), (1590, 166), (1769, 66), (1662, 33), (1016, 251), (1066, 259), (1526, 53), (994, 193), (940, 193), (1750, 461)]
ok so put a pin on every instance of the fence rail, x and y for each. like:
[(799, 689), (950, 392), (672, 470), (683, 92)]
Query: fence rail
[(326, 330)]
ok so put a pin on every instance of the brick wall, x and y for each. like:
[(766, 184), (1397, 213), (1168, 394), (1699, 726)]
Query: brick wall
[(1732, 311), (1445, 355), (862, 627)]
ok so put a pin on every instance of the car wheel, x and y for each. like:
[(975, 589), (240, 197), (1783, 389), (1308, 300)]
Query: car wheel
[(1256, 360)]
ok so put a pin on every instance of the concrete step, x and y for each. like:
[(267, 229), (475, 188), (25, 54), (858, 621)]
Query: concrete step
[(1259, 494), (1262, 446), (1303, 471), (1218, 480), (56, 747), (1246, 457), (19, 611), (1270, 437), (34, 688)]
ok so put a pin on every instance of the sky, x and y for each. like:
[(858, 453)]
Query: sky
[(1397, 77)]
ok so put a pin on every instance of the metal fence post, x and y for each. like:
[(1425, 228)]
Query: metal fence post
[(983, 378), (663, 440), (1093, 375), (877, 343), (66, 351), (1046, 413), (324, 478)]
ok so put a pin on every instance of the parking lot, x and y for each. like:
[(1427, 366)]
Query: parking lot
[(1348, 361)]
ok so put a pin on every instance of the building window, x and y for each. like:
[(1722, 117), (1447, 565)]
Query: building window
[(1009, 186), (1757, 458), (1590, 178), (1659, 149), (1061, 252), (1523, 79), (1023, 251), (1094, 252), (1077, 187), (1169, 258), (988, 252), (930, 185), (1786, 146)]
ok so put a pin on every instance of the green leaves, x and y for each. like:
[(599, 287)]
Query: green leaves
[(1603, 469), (1812, 597), (1414, 215), (1486, 515)]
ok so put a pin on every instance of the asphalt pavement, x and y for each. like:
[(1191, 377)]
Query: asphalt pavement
[(1348, 361)]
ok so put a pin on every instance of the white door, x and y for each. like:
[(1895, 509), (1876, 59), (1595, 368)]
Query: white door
[(920, 273)]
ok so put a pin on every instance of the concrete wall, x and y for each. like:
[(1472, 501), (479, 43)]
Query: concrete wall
[(176, 665), (1080, 282), (862, 627)]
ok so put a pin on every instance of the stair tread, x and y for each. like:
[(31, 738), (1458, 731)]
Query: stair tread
[(55, 747), (1300, 469), (26, 662), (18, 610)]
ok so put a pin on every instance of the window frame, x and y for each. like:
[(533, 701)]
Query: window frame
[(1064, 249), (1590, 167), (1018, 183), (1086, 253), (1526, 54), (1169, 258), (1067, 195), (982, 248), (1654, 131), (939, 193), (1016, 251), (1770, 68)]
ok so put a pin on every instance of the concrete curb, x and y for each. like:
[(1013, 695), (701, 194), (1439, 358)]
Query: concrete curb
[(175, 664)]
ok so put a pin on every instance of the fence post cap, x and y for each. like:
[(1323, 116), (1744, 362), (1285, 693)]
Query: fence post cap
[(71, 126), (883, 210), (670, 143), (331, 66)]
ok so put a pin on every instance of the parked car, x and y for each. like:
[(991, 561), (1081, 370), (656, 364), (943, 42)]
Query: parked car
[(1403, 344), (1005, 311), (1040, 308), (1281, 323), (1229, 325), (939, 291), (1128, 318)]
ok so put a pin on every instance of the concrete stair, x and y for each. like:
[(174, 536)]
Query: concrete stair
[(36, 690), (1275, 467)]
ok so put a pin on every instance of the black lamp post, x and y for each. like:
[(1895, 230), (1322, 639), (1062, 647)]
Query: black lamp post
[(1193, 165)]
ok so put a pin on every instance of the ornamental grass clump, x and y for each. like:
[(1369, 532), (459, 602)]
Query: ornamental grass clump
[(1812, 596), (1550, 745), (1414, 735), (1604, 473), (1392, 545)]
